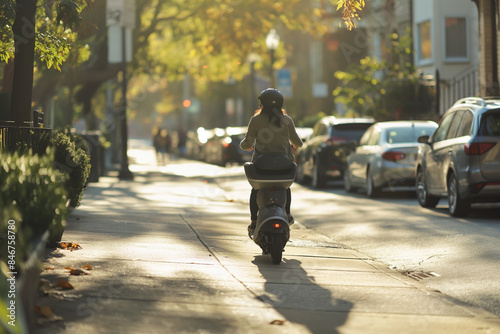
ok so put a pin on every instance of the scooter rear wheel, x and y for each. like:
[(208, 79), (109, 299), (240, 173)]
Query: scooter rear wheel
[(276, 247)]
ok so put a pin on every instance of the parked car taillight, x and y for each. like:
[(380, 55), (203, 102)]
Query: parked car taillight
[(336, 140), (227, 141), (393, 156), (477, 148)]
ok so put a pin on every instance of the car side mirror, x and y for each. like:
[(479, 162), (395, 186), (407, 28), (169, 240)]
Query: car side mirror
[(424, 139)]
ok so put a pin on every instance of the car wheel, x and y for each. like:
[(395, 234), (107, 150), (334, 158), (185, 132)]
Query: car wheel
[(318, 180), (347, 183), (371, 190), (424, 199), (458, 206)]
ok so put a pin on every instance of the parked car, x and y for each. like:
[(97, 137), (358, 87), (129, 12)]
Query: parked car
[(223, 146), (386, 156), (304, 134), (231, 151), (195, 142), (461, 160), (212, 148), (323, 155)]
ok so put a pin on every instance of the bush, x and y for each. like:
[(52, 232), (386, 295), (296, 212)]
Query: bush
[(70, 156), (33, 196)]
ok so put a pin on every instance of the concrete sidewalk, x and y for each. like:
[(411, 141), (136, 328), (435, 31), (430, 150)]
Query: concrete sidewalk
[(170, 254)]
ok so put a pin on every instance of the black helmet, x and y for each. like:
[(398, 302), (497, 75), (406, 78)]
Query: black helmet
[(271, 97)]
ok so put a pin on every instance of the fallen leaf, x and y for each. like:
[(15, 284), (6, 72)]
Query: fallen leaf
[(69, 245), (87, 267), (47, 312), (64, 245), (69, 268), (64, 284), (48, 268), (277, 322), (77, 272)]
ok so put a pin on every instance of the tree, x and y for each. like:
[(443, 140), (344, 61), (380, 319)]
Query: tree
[(384, 90), (350, 10), (25, 34), (209, 40)]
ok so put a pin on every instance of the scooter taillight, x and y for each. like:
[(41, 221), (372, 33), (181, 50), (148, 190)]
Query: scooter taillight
[(277, 225)]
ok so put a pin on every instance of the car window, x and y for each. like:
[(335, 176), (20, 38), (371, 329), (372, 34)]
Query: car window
[(352, 131), (318, 129), (443, 128), (375, 137), (490, 124), (366, 136), (407, 134), (465, 124), (399, 135), (455, 124)]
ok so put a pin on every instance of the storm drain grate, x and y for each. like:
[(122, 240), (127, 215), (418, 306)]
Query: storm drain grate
[(421, 275)]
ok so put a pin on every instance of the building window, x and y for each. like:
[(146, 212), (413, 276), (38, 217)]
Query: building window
[(424, 40), (456, 38)]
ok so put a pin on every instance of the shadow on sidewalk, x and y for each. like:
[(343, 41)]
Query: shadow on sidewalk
[(294, 294)]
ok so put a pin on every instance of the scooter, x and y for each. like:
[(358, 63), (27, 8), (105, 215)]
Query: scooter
[(271, 175)]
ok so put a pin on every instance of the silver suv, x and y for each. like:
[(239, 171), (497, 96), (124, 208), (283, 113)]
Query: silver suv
[(461, 160)]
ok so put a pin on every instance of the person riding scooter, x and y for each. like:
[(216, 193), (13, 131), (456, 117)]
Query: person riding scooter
[(270, 130)]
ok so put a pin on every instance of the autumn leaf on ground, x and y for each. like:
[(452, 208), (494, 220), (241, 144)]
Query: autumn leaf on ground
[(87, 267), (47, 312), (48, 268), (69, 268), (64, 284), (69, 245), (77, 272)]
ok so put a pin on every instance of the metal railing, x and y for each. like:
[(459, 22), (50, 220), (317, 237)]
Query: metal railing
[(12, 134), (463, 84)]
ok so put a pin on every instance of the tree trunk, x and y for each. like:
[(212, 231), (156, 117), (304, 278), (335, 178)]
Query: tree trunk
[(24, 39)]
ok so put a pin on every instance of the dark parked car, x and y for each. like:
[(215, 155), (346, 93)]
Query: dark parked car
[(223, 146), (231, 151), (323, 156), (461, 160), (386, 156)]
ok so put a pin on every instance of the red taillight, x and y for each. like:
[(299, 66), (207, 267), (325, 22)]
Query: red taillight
[(477, 148), (393, 156), (336, 140), (277, 225), (227, 141)]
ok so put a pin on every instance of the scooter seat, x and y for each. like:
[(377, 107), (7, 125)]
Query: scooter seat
[(268, 162), (273, 170)]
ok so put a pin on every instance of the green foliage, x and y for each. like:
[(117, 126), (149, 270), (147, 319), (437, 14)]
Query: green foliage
[(395, 94), (33, 196), (55, 23), (350, 10), (71, 156)]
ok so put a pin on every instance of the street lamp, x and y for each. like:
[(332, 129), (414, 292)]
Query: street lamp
[(252, 59), (272, 42)]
